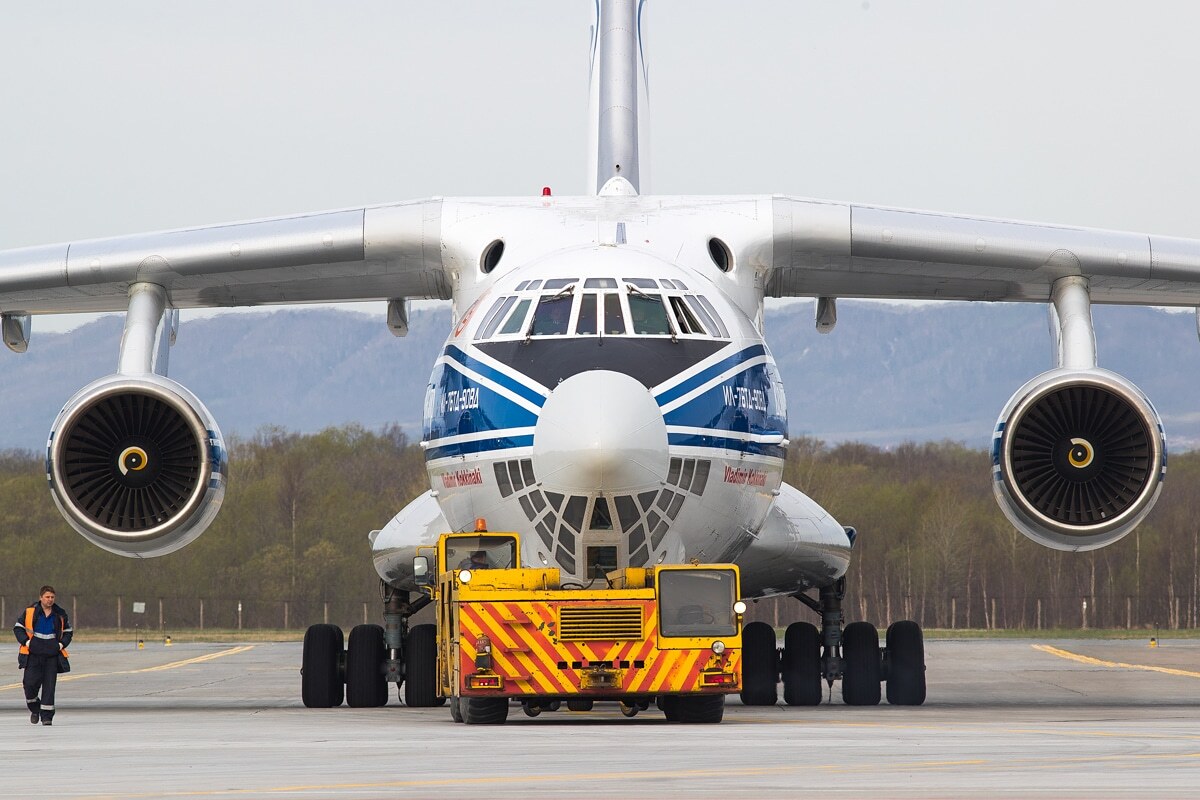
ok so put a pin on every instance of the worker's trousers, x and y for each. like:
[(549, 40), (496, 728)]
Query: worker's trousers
[(41, 677)]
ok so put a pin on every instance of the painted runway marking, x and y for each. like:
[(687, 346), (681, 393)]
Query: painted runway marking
[(1096, 662), (161, 667)]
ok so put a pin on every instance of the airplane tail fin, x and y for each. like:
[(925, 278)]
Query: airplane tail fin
[(618, 119)]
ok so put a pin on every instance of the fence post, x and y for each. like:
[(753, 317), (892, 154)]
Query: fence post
[(74, 615), (364, 613), (1128, 613), (201, 613), (160, 614), (953, 613), (285, 614), (120, 600), (239, 615), (4, 608), (326, 612)]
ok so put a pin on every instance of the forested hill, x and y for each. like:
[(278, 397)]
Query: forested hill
[(887, 374), (290, 546)]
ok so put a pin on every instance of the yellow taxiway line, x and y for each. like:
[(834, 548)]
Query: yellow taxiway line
[(161, 667), (1097, 662)]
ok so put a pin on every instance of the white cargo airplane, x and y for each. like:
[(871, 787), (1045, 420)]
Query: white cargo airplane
[(606, 388)]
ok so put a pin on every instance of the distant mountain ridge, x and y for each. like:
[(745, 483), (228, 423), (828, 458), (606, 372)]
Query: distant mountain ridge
[(886, 374)]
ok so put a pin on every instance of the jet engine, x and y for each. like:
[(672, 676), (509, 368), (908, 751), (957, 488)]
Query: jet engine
[(1078, 458), (136, 465)]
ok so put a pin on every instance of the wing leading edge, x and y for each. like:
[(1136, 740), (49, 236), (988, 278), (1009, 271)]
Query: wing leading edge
[(370, 253), (847, 250)]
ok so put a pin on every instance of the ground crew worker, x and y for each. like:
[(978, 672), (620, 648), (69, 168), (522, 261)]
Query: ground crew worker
[(477, 560), (44, 631)]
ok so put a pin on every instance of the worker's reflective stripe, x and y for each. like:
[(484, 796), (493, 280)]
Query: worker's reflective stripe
[(29, 631), (47, 708), (24, 650)]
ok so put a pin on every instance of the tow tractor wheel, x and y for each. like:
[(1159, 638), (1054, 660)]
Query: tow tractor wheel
[(861, 668), (320, 672), (484, 710), (366, 685), (702, 708), (580, 705), (420, 662), (906, 664), (456, 708), (801, 665), (760, 665)]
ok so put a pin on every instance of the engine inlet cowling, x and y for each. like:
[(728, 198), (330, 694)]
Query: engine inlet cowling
[(136, 465), (1078, 458)]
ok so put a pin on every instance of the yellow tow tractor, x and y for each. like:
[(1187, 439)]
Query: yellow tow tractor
[(669, 635)]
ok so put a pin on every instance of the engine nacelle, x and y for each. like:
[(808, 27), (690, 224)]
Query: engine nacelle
[(136, 465), (1078, 458)]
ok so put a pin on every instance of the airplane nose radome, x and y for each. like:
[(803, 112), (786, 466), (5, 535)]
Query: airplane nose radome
[(600, 431)]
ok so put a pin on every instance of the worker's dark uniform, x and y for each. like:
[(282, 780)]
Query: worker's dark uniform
[(40, 649)]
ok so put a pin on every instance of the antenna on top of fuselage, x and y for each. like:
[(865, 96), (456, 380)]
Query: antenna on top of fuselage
[(617, 91)]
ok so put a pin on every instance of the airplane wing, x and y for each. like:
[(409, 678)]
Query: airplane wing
[(821, 248), (380, 252)]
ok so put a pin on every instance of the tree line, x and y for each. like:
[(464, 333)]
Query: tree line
[(290, 544)]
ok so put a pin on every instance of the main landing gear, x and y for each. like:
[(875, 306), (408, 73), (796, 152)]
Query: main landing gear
[(851, 655), (373, 657)]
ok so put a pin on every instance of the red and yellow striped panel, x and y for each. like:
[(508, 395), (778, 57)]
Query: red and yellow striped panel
[(528, 653)]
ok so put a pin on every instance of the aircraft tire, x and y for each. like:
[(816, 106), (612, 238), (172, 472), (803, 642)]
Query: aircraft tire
[(484, 710), (906, 664), (760, 665), (702, 708), (861, 672), (580, 705), (320, 681), (420, 660), (366, 685), (801, 665)]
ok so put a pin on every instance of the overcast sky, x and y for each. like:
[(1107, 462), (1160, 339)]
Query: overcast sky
[(121, 117)]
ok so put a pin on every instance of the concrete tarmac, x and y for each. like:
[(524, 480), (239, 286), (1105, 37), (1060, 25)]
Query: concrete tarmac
[(1005, 718)]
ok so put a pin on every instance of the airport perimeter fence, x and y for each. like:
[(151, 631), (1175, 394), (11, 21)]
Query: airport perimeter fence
[(998, 612), (167, 614)]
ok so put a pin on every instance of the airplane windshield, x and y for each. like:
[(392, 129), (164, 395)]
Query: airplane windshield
[(648, 315), (552, 316), (616, 309)]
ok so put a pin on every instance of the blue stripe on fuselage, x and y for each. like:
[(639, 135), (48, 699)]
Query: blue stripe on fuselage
[(495, 375), (718, 442), (699, 379), (478, 446)]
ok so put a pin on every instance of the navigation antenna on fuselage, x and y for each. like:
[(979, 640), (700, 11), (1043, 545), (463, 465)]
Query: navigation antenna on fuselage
[(616, 67)]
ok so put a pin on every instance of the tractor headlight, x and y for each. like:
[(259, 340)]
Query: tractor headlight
[(739, 607), (718, 647), (464, 575)]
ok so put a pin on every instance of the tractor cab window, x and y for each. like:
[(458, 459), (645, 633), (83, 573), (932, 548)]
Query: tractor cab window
[(697, 602), (481, 552)]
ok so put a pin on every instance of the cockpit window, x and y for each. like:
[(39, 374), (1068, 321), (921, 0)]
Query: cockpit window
[(492, 321), (642, 283), (586, 325), (516, 320), (614, 317), (600, 283), (552, 315), (716, 317), (648, 315), (684, 317), (703, 314), (559, 283)]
